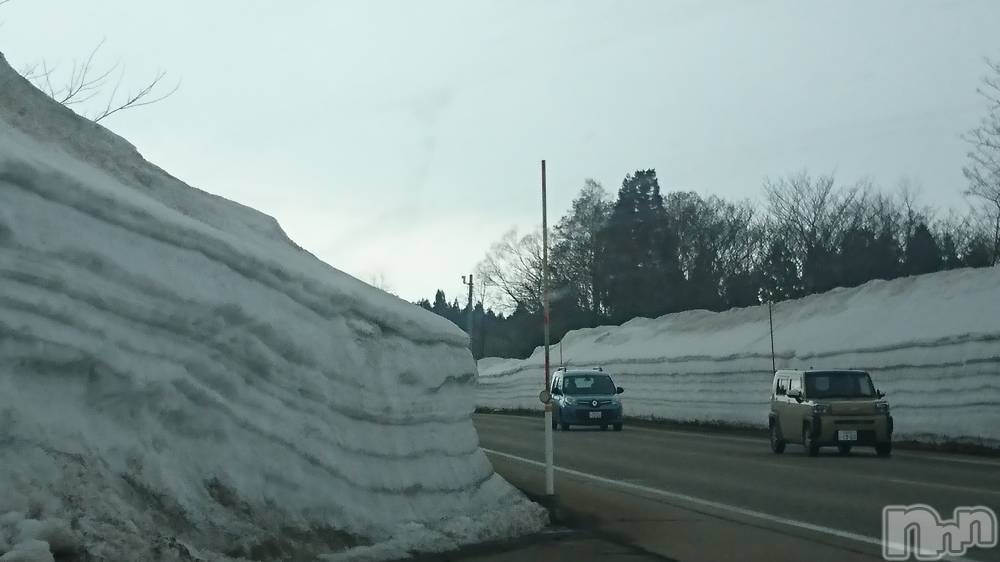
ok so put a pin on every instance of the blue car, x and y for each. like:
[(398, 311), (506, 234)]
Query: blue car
[(585, 397)]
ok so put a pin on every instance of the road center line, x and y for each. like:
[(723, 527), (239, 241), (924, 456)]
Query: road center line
[(705, 503)]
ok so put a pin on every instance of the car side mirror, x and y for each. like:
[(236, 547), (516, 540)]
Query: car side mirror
[(879, 393), (795, 393), (619, 390), (556, 392)]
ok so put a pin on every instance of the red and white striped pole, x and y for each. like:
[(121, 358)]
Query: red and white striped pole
[(549, 471)]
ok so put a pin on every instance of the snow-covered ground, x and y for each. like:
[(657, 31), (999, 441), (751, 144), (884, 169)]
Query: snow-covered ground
[(932, 342), (178, 380)]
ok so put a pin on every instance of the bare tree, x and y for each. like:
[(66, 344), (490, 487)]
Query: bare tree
[(812, 211), (514, 267), (87, 81), (983, 168), (380, 281)]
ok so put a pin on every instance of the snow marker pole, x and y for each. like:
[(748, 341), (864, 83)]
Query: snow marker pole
[(550, 489), (770, 322)]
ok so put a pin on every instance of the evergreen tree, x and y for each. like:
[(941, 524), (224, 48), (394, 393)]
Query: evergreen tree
[(864, 256), (887, 255), (704, 283), (440, 306), (637, 258), (820, 270), (742, 289), (978, 253), (780, 276), (922, 252), (949, 252)]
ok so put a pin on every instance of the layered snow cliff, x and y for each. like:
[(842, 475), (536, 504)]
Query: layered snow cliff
[(178, 380), (932, 342)]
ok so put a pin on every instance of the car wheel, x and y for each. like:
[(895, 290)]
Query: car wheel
[(844, 450), (883, 449), (564, 426), (555, 424), (618, 427), (604, 428), (777, 443), (812, 449)]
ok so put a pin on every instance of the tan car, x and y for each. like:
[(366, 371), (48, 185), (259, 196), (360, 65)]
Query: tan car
[(836, 408)]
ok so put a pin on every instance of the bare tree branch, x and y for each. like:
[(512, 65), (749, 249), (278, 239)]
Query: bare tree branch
[(86, 82), (983, 168), (514, 266), (139, 99)]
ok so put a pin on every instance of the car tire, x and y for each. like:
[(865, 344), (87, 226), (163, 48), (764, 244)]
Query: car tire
[(618, 427), (777, 443), (555, 424), (812, 449), (844, 450), (563, 426), (883, 449)]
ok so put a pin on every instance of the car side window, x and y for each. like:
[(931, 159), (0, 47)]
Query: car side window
[(555, 382), (795, 383), (781, 387)]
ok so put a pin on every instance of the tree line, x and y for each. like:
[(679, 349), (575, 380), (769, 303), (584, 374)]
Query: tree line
[(648, 253)]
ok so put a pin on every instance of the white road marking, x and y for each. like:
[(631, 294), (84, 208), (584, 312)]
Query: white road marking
[(656, 492), (944, 486), (961, 460)]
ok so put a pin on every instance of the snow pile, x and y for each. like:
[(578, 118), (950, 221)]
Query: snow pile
[(931, 342), (179, 381)]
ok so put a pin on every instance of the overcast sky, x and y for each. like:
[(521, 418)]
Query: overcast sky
[(400, 138)]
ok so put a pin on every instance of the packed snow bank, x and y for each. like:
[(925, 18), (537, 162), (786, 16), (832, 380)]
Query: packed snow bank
[(932, 342), (180, 381)]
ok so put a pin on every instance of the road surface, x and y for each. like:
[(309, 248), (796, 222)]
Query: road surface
[(690, 496)]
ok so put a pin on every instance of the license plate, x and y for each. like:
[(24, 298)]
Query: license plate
[(595, 415), (847, 436)]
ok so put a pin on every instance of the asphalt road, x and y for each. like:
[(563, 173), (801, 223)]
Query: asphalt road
[(689, 495)]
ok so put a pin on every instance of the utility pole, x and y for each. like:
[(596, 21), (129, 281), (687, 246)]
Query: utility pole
[(549, 471), (770, 321), (469, 320)]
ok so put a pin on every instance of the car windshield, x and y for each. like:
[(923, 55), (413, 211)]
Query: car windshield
[(588, 384), (839, 384)]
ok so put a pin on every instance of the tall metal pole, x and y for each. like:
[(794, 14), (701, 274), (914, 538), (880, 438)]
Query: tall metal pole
[(550, 488), (770, 321), (470, 309)]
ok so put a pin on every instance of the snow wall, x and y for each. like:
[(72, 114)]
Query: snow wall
[(931, 342), (178, 380)]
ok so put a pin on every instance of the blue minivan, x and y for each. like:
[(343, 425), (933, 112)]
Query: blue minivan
[(585, 397)]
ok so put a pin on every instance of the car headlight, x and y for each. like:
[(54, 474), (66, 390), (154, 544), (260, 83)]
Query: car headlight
[(882, 407), (616, 400), (819, 409), (571, 401)]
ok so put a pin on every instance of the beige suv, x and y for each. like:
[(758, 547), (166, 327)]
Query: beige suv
[(828, 408)]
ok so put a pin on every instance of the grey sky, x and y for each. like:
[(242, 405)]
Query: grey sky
[(402, 138)]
